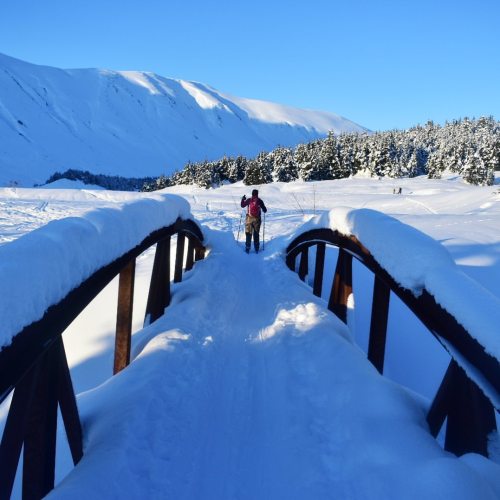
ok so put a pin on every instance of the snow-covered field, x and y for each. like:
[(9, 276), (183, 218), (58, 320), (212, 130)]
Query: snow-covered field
[(248, 387)]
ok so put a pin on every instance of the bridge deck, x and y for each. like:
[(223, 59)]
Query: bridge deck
[(249, 388)]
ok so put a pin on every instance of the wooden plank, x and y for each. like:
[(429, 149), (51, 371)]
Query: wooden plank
[(124, 317), (341, 285), (190, 255), (159, 287), (39, 455), (471, 417), (304, 263), (179, 257), (69, 409), (319, 269), (440, 405), (378, 324), (469, 414), (13, 434), (199, 253)]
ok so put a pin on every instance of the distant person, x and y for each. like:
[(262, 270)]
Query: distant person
[(253, 219)]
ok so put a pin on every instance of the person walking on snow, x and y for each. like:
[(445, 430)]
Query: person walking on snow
[(253, 220)]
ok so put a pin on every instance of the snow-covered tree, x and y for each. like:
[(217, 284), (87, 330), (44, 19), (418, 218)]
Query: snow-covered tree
[(284, 166), (307, 159), (258, 171), (236, 169)]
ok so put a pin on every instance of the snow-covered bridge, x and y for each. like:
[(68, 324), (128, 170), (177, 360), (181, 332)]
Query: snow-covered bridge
[(248, 386)]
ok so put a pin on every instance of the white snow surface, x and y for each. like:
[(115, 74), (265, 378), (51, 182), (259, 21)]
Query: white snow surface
[(60, 255), (248, 387), (417, 261), (71, 184), (133, 123)]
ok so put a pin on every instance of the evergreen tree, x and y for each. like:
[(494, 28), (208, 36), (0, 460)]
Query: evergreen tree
[(237, 169), (307, 158), (257, 173), (328, 159), (223, 168), (284, 166)]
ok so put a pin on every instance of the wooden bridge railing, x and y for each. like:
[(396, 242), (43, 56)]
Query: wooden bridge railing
[(35, 364), (469, 392)]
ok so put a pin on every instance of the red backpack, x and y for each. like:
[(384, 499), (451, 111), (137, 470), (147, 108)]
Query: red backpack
[(253, 207)]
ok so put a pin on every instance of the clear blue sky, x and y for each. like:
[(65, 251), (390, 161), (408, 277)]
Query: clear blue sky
[(382, 64)]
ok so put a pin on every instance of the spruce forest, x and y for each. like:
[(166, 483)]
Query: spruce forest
[(466, 147)]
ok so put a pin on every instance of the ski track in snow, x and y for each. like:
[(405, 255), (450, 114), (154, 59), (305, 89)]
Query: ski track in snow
[(426, 207), (248, 387)]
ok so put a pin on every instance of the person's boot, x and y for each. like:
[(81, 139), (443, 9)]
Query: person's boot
[(248, 242)]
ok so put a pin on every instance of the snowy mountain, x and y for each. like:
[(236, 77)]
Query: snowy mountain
[(133, 123)]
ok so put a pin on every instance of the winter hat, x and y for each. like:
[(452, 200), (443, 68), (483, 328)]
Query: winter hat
[(255, 192)]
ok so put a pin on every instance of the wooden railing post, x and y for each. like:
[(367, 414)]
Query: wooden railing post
[(159, 288), (378, 324), (341, 286), (469, 413), (124, 317), (13, 434), (40, 432), (304, 263), (32, 421), (179, 257), (319, 269), (67, 404), (190, 255), (199, 254)]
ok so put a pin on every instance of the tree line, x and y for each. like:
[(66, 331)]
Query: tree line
[(467, 147), (110, 182)]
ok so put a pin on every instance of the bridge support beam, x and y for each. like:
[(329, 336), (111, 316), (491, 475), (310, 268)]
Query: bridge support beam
[(32, 422), (159, 288), (341, 286), (469, 413), (13, 435), (319, 268), (304, 263), (199, 254), (378, 324), (67, 404), (124, 317), (190, 255), (179, 257)]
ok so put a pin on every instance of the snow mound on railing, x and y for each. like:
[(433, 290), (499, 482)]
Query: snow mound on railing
[(42, 267), (417, 261)]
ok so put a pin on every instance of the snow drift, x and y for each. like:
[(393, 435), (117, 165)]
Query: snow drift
[(54, 259)]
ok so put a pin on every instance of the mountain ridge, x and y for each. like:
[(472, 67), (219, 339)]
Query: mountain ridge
[(133, 123)]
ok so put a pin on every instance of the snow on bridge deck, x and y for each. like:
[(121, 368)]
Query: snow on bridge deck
[(249, 388)]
